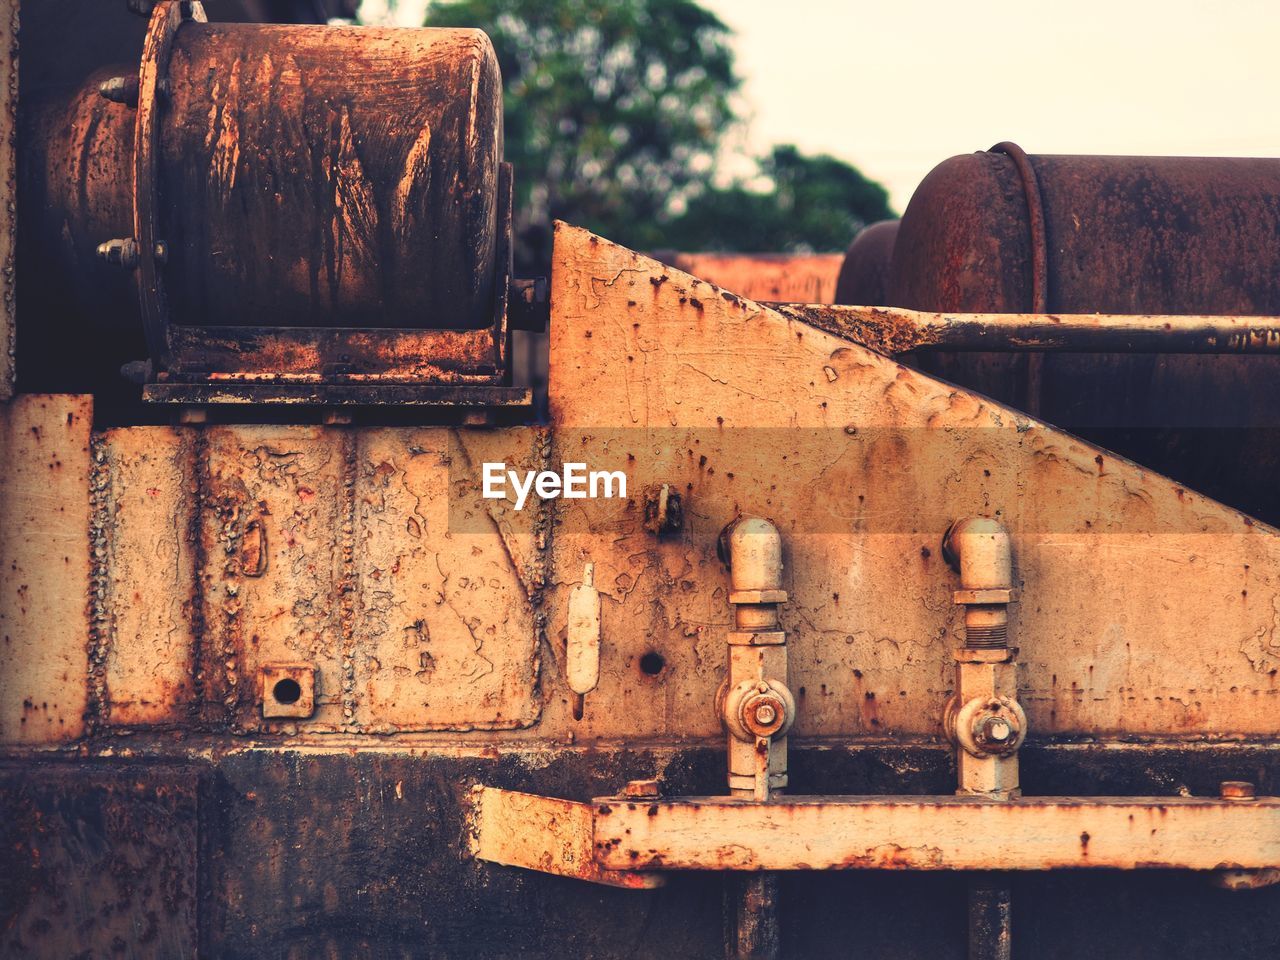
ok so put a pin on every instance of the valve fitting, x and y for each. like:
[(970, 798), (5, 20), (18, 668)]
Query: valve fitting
[(754, 703), (978, 549)]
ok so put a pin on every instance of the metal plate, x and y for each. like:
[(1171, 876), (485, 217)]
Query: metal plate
[(99, 861), (45, 634)]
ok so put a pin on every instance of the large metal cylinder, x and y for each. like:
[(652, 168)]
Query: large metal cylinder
[(1099, 234), (864, 272), (305, 176), (1005, 232)]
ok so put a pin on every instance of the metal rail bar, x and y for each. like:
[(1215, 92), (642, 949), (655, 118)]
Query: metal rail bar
[(893, 330), (622, 837)]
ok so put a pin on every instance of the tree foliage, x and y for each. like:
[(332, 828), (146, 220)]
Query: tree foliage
[(810, 204), (615, 114), (614, 108)]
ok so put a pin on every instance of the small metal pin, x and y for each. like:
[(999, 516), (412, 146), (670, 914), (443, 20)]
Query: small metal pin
[(122, 252), (120, 90)]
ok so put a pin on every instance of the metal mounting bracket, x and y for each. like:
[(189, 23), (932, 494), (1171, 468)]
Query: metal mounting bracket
[(626, 842)]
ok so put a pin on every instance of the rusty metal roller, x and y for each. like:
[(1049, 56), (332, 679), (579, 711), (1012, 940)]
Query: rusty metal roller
[(1005, 232), (864, 272), (284, 176)]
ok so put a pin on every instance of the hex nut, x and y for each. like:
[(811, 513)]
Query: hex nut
[(988, 726), (996, 730), (288, 690), (1237, 790), (764, 714), (121, 252)]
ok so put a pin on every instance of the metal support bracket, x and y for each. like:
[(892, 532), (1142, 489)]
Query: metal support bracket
[(624, 842)]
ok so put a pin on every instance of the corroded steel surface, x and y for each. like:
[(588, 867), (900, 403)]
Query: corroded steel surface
[(307, 176), (545, 834), (886, 832), (439, 621), (8, 193), (1118, 235), (893, 330), (1123, 235), (425, 608), (356, 852), (228, 549), (864, 272), (864, 463), (99, 860), (45, 543)]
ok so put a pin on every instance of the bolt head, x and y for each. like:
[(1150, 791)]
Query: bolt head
[(997, 729), (1237, 790), (119, 253), (120, 90), (766, 714), (642, 790)]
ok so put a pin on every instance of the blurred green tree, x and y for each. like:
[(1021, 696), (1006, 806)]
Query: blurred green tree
[(810, 203), (615, 115)]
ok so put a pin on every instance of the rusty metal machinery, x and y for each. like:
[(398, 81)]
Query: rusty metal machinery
[(1006, 232), (864, 271), (305, 213), (846, 656)]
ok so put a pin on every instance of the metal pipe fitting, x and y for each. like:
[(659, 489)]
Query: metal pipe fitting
[(752, 547), (984, 719), (978, 549), (754, 703)]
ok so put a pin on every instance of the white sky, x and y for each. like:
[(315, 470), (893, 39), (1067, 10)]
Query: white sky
[(896, 86)]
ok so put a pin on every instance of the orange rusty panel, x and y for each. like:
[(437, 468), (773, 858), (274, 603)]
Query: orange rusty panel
[(365, 557), (1147, 609), (276, 538), (44, 555), (146, 509), (445, 624), (796, 278)]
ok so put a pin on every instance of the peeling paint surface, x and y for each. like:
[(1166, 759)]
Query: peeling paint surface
[(44, 558)]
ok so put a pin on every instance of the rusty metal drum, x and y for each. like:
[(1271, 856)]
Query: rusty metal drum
[(999, 231), (864, 272), (1005, 232), (302, 176)]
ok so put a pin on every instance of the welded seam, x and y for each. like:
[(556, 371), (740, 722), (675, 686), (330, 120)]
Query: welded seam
[(544, 530), (99, 641), (199, 467), (347, 576)]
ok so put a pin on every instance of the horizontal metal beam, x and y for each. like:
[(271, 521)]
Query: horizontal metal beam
[(893, 330), (938, 833), (611, 839)]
